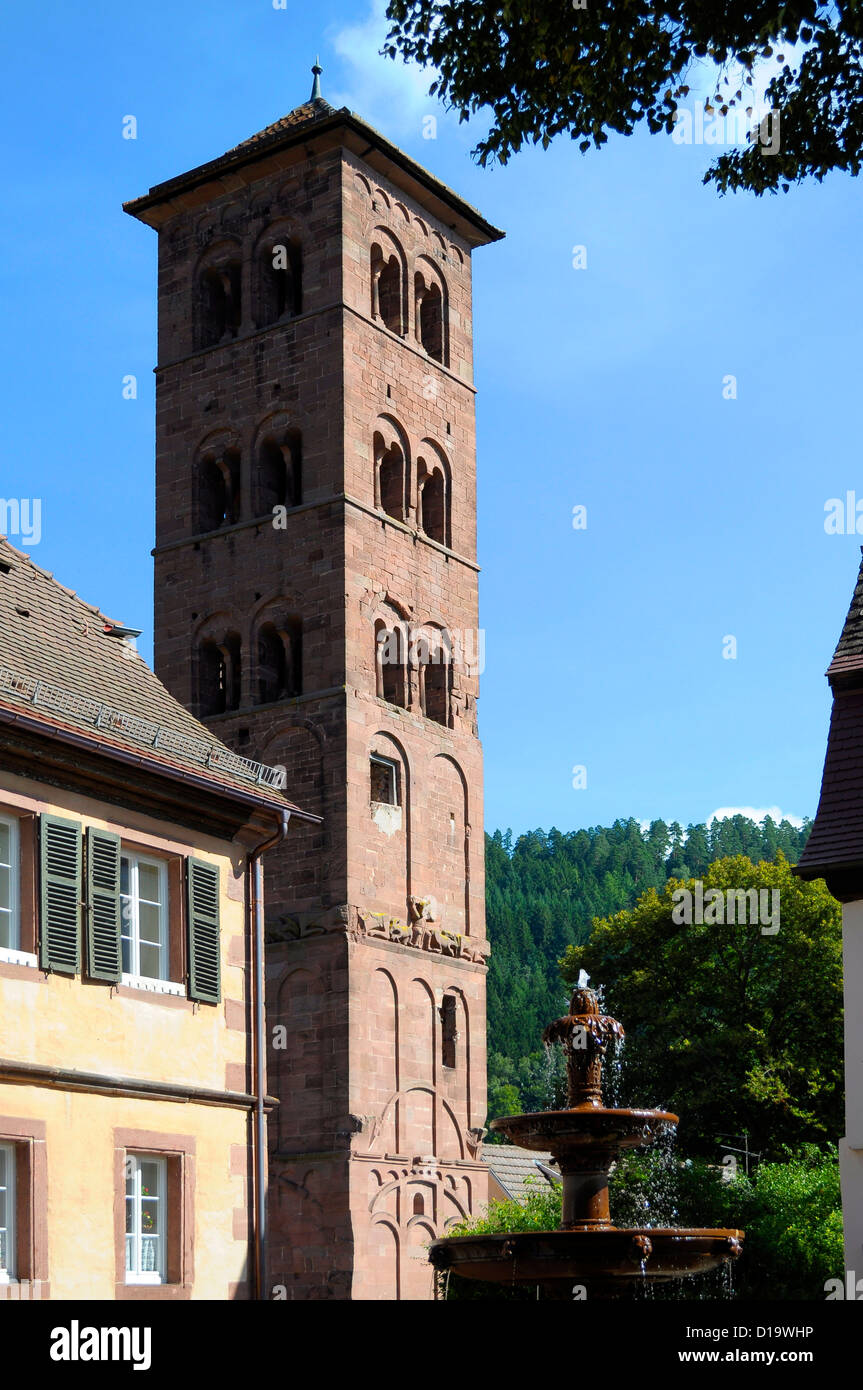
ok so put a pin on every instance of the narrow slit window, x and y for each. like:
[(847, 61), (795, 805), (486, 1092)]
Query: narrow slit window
[(449, 1030)]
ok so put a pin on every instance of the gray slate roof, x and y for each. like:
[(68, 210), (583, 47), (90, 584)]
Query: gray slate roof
[(60, 665), (516, 1170), (836, 839)]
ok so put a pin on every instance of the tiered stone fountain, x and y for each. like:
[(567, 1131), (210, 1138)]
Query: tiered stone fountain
[(586, 1249)]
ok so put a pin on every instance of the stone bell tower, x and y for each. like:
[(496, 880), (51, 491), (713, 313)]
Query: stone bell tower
[(316, 605)]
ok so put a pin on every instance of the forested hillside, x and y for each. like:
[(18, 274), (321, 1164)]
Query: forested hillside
[(543, 891)]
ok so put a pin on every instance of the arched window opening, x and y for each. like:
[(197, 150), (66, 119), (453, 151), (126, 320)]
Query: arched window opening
[(279, 661), (390, 666), (387, 290), (280, 268), (433, 508), (449, 1029), (219, 490), (389, 479), (435, 680), (221, 306), (280, 472), (272, 665), (419, 1206), (219, 675), (429, 317)]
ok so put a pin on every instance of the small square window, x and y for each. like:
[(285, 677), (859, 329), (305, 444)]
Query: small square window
[(384, 781)]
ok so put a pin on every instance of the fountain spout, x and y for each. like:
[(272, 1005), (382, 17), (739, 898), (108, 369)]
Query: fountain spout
[(585, 1034)]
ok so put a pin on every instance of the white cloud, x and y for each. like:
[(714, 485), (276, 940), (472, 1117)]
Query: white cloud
[(756, 813), (386, 92)]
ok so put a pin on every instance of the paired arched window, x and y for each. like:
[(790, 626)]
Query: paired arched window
[(279, 471), (279, 276), (389, 280), (219, 675), (220, 308), (430, 650), (394, 488), (218, 489), (280, 660)]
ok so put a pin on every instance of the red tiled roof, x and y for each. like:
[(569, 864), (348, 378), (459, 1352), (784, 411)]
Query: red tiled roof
[(60, 666), (306, 114)]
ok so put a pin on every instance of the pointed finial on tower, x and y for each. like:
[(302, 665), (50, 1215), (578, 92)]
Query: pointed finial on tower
[(316, 84)]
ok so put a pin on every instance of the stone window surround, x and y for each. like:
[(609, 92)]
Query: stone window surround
[(27, 1136), (179, 1150)]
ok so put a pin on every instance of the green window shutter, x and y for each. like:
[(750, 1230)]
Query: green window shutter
[(60, 895), (204, 942), (104, 960)]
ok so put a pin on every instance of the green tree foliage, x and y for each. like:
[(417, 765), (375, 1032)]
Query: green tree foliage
[(542, 67), (543, 892), (734, 1029)]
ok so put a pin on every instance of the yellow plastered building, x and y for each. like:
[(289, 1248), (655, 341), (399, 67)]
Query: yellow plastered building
[(133, 1100)]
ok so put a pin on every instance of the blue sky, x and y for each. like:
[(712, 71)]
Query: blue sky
[(600, 386)]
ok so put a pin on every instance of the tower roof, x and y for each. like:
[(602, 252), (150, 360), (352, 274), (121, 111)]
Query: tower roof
[(848, 655), (835, 844), (314, 126)]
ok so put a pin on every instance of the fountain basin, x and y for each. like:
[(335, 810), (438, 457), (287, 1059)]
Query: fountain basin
[(585, 1141), (597, 1258), (585, 1128)]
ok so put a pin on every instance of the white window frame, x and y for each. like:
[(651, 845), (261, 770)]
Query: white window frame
[(13, 951), (159, 984), (137, 1275), (393, 768), (9, 1275)]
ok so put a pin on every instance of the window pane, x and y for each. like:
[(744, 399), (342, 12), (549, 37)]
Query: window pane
[(149, 923), (124, 876), (6, 929), (5, 843), (148, 883), (150, 1177), (127, 956), (150, 966), (5, 886), (150, 1254)]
